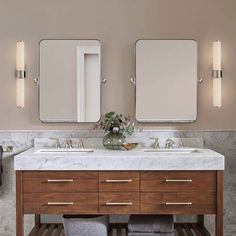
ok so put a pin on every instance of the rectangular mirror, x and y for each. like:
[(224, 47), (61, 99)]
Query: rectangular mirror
[(166, 80), (70, 80)]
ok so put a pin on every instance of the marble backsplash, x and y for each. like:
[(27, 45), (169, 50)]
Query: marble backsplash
[(223, 142)]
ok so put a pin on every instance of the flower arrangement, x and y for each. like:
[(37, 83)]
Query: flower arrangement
[(117, 123), (118, 127)]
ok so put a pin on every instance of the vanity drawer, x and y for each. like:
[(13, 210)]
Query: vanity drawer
[(60, 203), (178, 181), (178, 203), (40, 182), (119, 203), (118, 181)]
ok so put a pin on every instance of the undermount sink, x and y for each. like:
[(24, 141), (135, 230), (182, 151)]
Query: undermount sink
[(63, 150), (170, 150)]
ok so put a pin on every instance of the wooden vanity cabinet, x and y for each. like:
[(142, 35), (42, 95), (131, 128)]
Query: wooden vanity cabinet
[(119, 192), (60, 192), (60, 203), (59, 182), (112, 181), (178, 192)]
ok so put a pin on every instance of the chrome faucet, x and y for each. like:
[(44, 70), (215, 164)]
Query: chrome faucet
[(68, 143), (156, 143), (57, 144), (181, 144), (80, 144), (169, 143)]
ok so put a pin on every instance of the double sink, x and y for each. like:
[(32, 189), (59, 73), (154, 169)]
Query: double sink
[(170, 147), (89, 150), (64, 150)]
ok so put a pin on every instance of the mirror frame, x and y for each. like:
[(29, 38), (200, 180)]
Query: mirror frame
[(38, 83), (165, 121)]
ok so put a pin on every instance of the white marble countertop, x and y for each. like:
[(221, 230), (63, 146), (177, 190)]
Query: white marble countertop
[(103, 159)]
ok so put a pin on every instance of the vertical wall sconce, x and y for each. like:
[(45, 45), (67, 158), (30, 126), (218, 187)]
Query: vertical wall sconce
[(217, 74), (20, 74)]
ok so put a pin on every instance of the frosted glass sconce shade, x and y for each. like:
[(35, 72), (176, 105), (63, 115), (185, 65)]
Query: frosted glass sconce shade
[(217, 92), (217, 74), (217, 55), (20, 74), (20, 93), (20, 56)]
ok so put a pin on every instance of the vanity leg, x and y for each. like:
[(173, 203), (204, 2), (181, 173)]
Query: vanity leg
[(200, 219), (19, 205), (219, 205), (37, 220)]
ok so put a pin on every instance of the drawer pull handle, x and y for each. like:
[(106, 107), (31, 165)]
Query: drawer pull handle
[(59, 180), (119, 203), (179, 180), (119, 180), (60, 203), (178, 203)]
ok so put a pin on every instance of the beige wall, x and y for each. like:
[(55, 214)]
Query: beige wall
[(118, 24)]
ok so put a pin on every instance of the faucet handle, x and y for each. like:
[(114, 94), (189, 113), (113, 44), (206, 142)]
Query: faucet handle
[(156, 143), (57, 144), (169, 143), (181, 144), (68, 143), (80, 144)]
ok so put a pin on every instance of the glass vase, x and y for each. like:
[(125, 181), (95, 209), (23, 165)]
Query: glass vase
[(113, 141)]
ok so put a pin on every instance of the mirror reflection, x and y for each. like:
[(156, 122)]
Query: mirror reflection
[(166, 80), (70, 80)]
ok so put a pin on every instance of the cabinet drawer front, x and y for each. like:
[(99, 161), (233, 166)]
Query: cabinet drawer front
[(118, 181), (61, 203), (119, 203), (178, 203), (178, 181), (36, 182)]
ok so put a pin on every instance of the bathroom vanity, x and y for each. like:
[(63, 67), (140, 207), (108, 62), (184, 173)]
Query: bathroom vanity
[(120, 182)]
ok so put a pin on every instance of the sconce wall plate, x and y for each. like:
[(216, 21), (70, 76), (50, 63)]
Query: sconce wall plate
[(217, 74), (20, 74)]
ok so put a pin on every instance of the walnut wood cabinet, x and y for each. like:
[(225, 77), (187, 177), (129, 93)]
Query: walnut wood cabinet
[(119, 192)]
